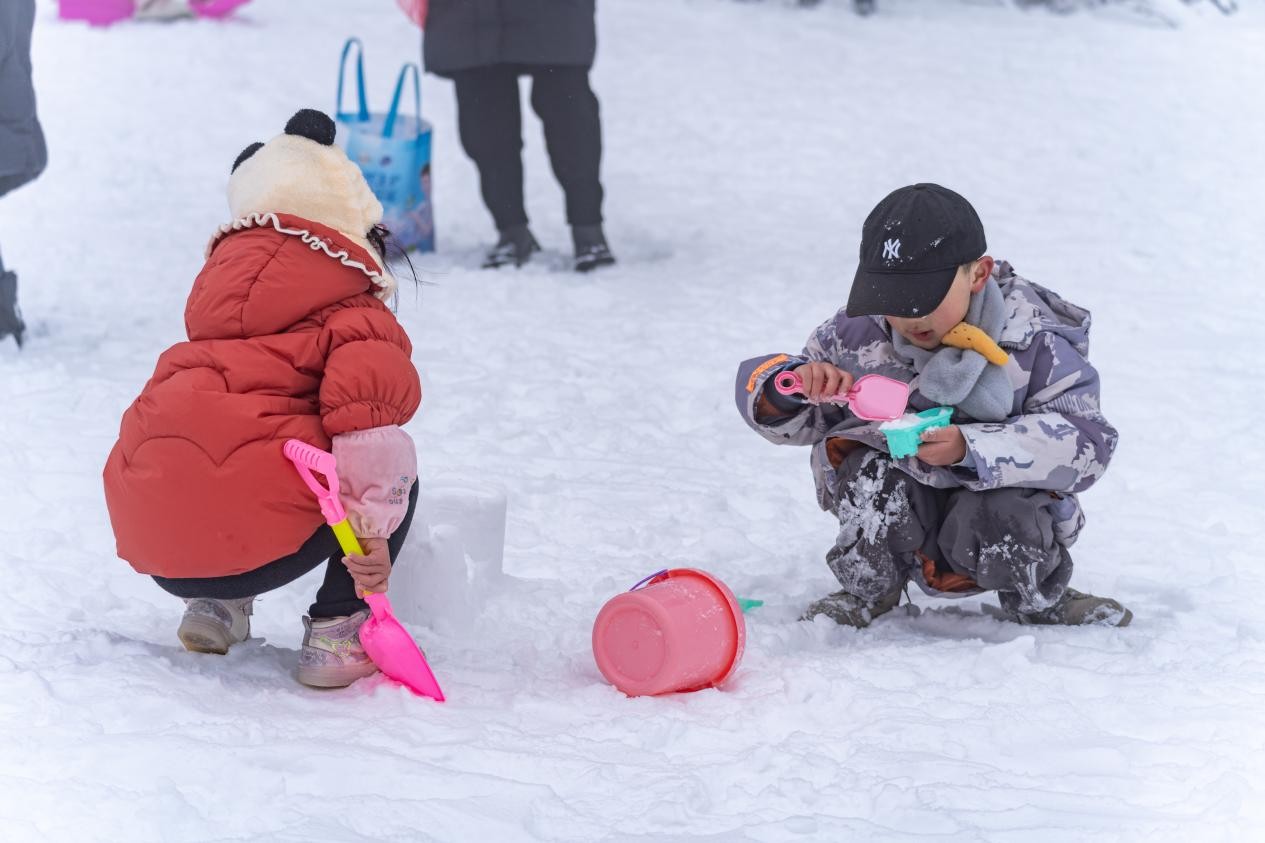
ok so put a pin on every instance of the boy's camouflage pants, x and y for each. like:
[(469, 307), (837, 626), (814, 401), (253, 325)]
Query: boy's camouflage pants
[(1001, 539)]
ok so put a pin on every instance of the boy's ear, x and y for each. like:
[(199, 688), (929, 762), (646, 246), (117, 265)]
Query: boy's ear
[(983, 269)]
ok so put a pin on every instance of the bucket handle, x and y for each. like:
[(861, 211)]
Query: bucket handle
[(648, 580), (363, 104)]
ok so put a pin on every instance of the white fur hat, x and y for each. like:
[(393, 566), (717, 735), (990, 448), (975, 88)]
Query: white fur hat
[(304, 174)]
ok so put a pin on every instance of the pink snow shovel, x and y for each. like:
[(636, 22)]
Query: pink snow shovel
[(384, 638), (872, 397)]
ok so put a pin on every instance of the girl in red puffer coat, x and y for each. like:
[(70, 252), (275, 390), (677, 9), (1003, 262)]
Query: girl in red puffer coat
[(288, 338)]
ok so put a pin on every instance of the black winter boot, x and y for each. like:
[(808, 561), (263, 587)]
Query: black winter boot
[(11, 323), (515, 247), (591, 250)]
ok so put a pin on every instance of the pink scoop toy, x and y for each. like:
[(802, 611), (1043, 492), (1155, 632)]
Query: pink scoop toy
[(384, 638), (872, 397)]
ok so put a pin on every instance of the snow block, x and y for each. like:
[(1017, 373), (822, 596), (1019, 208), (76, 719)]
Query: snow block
[(453, 557)]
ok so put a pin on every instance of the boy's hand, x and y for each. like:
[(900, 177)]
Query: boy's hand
[(822, 381), (942, 446), (372, 570)]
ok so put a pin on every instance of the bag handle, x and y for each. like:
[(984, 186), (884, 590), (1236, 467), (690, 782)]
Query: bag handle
[(363, 104), (389, 127)]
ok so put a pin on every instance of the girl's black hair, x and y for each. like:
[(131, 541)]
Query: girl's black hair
[(388, 249)]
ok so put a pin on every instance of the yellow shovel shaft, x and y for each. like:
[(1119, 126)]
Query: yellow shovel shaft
[(348, 542), (347, 539)]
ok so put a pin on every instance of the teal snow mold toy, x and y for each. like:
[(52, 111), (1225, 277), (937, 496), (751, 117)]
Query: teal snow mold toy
[(904, 435)]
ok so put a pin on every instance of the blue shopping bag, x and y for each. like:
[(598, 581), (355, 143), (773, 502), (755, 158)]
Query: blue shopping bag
[(393, 152)]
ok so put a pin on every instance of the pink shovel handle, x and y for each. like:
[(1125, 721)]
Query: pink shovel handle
[(789, 383), (379, 605), (308, 458)]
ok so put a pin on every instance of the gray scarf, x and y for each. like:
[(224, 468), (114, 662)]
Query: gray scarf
[(961, 378)]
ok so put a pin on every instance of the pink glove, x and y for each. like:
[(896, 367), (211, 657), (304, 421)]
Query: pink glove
[(376, 469)]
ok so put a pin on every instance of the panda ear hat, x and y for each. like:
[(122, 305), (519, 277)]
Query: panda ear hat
[(302, 173), (244, 154), (306, 123), (313, 125)]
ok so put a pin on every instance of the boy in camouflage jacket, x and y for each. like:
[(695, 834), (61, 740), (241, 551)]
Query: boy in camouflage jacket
[(988, 502)]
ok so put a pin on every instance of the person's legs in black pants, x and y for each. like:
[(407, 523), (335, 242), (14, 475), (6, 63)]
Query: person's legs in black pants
[(567, 106), (489, 120), (337, 594)]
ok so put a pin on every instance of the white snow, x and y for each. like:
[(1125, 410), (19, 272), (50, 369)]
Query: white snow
[(906, 421), (745, 142)]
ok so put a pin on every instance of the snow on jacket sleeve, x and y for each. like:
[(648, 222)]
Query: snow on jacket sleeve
[(376, 470), (1060, 441), (807, 425), (369, 379)]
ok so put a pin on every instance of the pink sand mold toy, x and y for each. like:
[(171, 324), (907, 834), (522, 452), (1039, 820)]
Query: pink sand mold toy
[(676, 630), (872, 397), (384, 638), (905, 435)]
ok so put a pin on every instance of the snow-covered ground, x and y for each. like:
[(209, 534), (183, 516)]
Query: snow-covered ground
[(745, 142)]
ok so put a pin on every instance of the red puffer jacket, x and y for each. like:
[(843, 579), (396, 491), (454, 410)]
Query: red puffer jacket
[(285, 340)]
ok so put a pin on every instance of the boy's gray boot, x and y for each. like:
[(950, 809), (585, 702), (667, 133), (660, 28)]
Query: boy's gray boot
[(212, 626), (849, 610), (1074, 608)]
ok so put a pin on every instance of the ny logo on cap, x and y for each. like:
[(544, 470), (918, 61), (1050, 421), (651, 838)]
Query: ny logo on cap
[(891, 249)]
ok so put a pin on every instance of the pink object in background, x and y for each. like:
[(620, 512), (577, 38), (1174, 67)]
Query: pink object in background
[(677, 630), (872, 397), (216, 8), (96, 12), (106, 12), (416, 10), (384, 638)]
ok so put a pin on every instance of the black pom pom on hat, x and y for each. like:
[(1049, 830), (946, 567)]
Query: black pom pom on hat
[(313, 125), (246, 153)]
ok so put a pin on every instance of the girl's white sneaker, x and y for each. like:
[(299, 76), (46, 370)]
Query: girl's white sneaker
[(212, 626)]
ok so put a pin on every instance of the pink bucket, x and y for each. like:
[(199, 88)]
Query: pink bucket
[(96, 12), (677, 630)]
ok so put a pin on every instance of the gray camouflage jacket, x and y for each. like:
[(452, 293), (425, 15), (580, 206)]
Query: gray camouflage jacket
[(1056, 437)]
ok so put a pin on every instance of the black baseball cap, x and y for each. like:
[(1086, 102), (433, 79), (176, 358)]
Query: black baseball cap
[(911, 247)]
